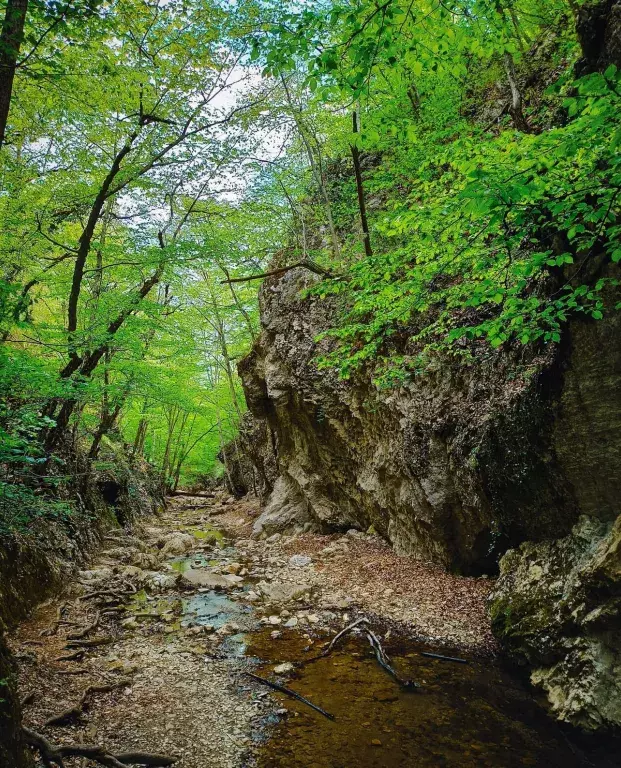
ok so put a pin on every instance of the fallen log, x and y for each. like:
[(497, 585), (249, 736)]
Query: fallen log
[(289, 692)]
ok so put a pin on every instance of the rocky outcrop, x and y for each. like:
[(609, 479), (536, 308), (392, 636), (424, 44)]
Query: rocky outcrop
[(557, 606), (458, 466)]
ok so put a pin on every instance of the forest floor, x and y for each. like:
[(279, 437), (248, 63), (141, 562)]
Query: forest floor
[(166, 622)]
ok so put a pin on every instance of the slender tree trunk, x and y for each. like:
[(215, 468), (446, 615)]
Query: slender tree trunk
[(86, 240), (516, 108), (238, 304), (360, 189), (105, 425), (90, 362), (11, 39), (140, 436)]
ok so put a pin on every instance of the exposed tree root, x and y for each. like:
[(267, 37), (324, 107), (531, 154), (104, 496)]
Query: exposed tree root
[(89, 643), (77, 656), (66, 717), (73, 671), (82, 633), (54, 755)]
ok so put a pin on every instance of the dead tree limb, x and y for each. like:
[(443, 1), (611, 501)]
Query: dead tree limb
[(362, 208), (289, 692), (342, 633), (443, 658), (310, 265), (384, 661)]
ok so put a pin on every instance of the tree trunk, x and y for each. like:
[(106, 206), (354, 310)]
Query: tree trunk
[(515, 110), (13, 751), (11, 39), (360, 189)]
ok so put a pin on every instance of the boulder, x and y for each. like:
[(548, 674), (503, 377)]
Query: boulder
[(557, 607), (199, 577), (286, 512), (162, 582), (177, 544), (282, 592)]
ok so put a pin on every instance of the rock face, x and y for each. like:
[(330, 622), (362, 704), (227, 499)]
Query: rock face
[(557, 606), (455, 467), (460, 465)]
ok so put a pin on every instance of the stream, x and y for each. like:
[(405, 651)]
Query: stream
[(464, 714), (192, 644)]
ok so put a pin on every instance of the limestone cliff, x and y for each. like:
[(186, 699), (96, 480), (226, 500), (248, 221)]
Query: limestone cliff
[(460, 465)]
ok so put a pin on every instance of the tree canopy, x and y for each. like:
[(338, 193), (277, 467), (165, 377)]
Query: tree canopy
[(450, 171)]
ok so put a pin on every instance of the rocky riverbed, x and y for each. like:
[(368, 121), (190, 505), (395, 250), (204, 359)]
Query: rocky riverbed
[(149, 650)]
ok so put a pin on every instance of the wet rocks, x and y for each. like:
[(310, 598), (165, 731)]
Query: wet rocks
[(162, 582), (195, 577), (284, 669)]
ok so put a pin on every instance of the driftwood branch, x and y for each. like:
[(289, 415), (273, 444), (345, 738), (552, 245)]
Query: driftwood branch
[(384, 661), (52, 754), (380, 654), (443, 658), (342, 633), (310, 265), (289, 692)]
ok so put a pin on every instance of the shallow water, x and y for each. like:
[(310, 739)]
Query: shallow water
[(475, 715), (464, 715)]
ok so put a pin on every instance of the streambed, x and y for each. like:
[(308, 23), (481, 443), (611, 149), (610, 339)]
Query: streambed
[(469, 715), (184, 650)]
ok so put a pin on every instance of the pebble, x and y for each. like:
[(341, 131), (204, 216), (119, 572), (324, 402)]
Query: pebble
[(300, 561), (283, 669)]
